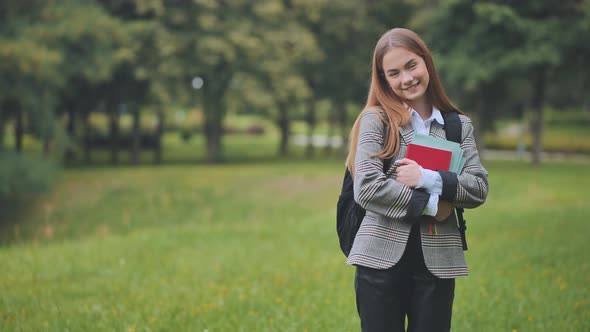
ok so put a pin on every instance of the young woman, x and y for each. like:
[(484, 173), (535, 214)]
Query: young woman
[(403, 268)]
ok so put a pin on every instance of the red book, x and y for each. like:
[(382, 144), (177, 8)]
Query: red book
[(429, 158)]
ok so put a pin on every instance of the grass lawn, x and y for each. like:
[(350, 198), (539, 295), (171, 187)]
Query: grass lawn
[(252, 247)]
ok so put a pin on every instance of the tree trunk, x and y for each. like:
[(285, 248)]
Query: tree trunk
[(87, 137), (135, 137), (213, 132), (214, 87), (159, 133), (477, 128), (283, 122), (46, 142), (114, 135), (586, 97), (311, 123), (213, 112), (3, 118), (19, 130), (328, 147), (344, 130), (537, 104), (475, 120), (70, 153)]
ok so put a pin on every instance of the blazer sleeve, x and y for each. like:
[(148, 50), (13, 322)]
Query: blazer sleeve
[(470, 188), (373, 190)]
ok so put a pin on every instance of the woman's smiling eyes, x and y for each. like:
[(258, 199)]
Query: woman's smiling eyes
[(410, 66)]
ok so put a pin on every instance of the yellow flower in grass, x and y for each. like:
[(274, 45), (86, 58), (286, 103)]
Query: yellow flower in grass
[(206, 307)]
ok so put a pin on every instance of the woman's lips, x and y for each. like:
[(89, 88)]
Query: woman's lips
[(412, 86)]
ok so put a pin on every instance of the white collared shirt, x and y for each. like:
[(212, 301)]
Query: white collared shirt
[(423, 126), (430, 180)]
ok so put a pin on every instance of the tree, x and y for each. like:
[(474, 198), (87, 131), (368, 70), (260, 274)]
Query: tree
[(38, 54), (346, 32), (150, 77), (485, 45), (219, 41)]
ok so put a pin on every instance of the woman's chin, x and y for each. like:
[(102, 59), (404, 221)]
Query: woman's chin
[(416, 96)]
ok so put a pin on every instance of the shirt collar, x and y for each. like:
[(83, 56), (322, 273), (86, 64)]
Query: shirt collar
[(435, 116)]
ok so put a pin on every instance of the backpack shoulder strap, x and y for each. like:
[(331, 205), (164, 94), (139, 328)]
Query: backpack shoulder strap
[(452, 126), (453, 133)]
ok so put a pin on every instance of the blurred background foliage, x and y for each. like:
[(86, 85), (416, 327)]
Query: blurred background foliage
[(248, 105), (82, 79)]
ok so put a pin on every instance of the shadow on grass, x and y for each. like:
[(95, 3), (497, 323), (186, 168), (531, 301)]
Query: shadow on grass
[(14, 211)]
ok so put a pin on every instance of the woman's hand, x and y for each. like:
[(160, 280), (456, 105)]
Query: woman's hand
[(408, 172), (444, 210)]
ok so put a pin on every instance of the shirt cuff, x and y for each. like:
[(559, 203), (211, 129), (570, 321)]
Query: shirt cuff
[(432, 206), (430, 181)]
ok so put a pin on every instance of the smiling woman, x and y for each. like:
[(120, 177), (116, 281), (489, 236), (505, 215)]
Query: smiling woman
[(403, 268)]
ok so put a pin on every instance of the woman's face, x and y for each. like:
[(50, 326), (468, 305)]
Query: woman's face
[(406, 74)]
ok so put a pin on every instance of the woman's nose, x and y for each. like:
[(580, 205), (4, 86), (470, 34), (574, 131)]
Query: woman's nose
[(407, 78)]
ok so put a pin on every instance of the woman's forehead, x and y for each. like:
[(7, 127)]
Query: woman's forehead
[(397, 58)]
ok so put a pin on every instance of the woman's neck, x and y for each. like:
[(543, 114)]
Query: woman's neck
[(423, 108)]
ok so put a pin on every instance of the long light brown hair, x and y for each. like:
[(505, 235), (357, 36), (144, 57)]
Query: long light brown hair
[(382, 97)]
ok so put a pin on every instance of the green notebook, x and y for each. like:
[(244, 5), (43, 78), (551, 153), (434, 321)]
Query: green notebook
[(457, 158)]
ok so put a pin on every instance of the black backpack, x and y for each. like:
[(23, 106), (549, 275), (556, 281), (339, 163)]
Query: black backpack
[(349, 214)]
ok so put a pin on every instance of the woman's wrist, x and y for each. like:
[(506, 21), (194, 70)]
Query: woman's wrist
[(430, 181)]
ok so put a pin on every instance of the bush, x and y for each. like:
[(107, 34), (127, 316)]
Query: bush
[(21, 174)]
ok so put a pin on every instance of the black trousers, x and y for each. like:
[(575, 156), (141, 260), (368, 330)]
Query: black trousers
[(385, 297)]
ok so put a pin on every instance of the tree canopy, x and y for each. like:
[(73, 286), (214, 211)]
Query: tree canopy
[(280, 58)]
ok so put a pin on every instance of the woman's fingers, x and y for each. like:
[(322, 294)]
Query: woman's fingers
[(405, 161), (408, 173)]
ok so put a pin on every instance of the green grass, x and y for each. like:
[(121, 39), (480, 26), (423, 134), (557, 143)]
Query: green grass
[(252, 247)]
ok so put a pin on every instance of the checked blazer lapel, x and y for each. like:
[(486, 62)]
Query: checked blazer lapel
[(407, 133), (437, 130)]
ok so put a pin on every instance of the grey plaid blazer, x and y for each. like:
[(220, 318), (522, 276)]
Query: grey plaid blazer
[(392, 207)]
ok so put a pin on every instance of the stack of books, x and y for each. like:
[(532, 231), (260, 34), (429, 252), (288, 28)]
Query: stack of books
[(436, 154)]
